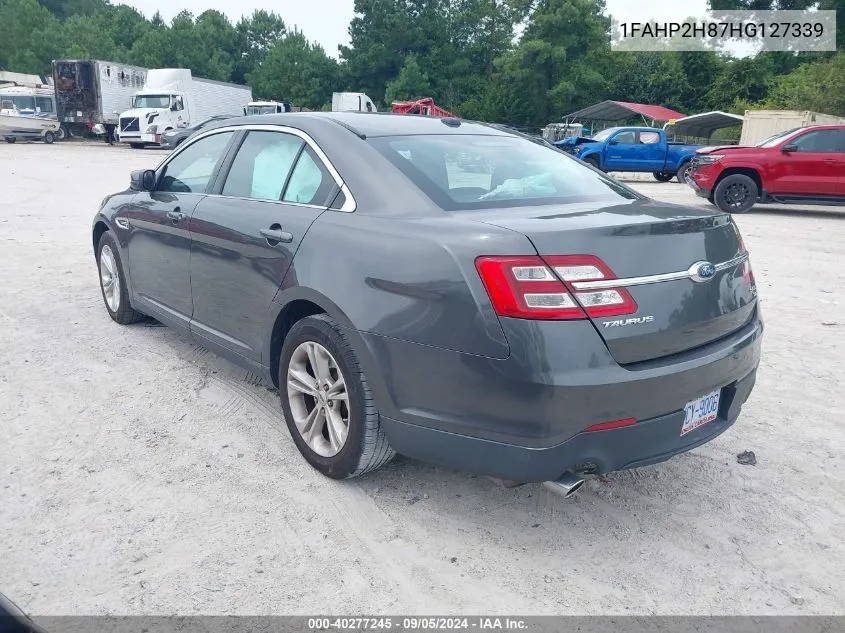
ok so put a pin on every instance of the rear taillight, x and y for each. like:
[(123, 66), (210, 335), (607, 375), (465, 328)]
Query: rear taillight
[(525, 287), (607, 426), (747, 273)]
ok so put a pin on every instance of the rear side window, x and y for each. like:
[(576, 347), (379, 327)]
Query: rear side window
[(460, 171), (262, 165), (309, 183), (191, 169), (649, 138)]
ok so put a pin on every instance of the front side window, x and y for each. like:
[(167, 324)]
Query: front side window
[(825, 141), (45, 104), (191, 169), (626, 138), (262, 165), (460, 171)]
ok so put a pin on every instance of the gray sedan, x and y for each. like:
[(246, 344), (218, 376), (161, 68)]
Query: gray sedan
[(443, 289)]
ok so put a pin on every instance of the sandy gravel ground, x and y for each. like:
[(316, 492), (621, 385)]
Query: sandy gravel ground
[(140, 474)]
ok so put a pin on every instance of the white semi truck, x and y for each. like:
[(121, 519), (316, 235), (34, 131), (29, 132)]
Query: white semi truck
[(352, 102), (171, 98)]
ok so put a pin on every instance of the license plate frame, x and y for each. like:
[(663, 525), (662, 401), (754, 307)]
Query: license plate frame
[(700, 411)]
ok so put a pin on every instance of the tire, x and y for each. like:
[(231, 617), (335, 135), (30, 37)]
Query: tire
[(365, 446), (736, 193), (10, 139), (683, 172), (49, 137), (179, 142), (592, 160), (120, 311), (61, 133), (136, 145), (663, 176)]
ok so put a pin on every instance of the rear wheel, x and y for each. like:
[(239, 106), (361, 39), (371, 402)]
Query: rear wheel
[(61, 133), (685, 172), (736, 193), (663, 176), (328, 406), (49, 137), (113, 282)]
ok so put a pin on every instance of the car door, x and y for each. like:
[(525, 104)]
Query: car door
[(650, 152), (810, 165), (245, 235), (620, 150), (158, 243)]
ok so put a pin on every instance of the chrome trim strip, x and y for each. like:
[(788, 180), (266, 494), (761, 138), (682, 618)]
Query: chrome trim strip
[(350, 204), (651, 279)]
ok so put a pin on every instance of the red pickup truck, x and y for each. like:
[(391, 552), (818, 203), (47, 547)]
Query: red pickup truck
[(800, 166)]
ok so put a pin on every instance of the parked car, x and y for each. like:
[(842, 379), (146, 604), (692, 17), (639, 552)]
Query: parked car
[(174, 138), (545, 323), (633, 149), (798, 166)]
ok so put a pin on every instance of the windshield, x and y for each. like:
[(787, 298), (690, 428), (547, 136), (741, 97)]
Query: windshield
[(265, 109), (777, 138), (604, 134), (481, 172), (151, 101)]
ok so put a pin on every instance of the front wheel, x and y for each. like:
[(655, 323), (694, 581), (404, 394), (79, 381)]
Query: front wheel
[(136, 145), (327, 403), (685, 173), (736, 193), (663, 176), (113, 282), (594, 162), (10, 139), (49, 137)]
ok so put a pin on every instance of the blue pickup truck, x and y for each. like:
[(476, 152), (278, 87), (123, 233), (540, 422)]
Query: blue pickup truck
[(642, 149)]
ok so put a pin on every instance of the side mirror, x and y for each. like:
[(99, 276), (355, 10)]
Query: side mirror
[(613, 141), (173, 108), (789, 147), (142, 180)]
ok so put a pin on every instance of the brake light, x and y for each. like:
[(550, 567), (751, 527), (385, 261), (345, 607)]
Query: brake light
[(525, 287), (747, 273)]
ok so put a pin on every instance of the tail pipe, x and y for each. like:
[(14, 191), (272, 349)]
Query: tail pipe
[(566, 486)]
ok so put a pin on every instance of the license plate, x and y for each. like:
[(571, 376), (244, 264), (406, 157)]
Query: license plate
[(700, 411)]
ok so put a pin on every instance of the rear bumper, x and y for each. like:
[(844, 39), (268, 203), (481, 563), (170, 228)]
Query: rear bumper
[(522, 418), (647, 442)]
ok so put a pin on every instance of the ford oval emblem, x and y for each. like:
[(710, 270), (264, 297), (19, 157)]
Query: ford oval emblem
[(702, 271)]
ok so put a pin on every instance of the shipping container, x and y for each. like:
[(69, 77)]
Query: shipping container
[(761, 124)]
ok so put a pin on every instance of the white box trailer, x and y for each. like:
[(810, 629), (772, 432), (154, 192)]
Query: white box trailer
[(172, 98), (761, 124), (90, 92), (352, 102)]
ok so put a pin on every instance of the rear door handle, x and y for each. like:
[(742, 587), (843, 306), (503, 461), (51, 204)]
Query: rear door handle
[(176, 215), (275, 235)]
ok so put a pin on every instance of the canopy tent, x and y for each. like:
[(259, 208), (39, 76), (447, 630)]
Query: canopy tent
[(703, 125), (620, 110)]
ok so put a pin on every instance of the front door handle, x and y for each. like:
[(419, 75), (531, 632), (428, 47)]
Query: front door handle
[(275, 235), (176, 215)]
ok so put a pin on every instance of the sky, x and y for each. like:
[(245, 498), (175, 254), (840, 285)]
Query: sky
[(327, 21)]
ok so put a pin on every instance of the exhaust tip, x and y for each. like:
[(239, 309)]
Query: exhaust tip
[(565, 487)]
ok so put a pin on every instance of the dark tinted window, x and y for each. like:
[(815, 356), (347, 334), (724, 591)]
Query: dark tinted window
[(473, 172), (821, 141), (262, 165), (45, 104), (309, 183), (190, 171)]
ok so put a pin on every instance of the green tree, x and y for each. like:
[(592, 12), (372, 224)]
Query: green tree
[(31, 37), (256, 36), (818, 86), (296, 70), (411, 82)]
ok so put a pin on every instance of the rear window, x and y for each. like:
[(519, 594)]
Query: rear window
[(481, 172)]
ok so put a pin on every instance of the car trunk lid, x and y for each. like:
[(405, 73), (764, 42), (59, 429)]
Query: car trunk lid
[(657, 251)]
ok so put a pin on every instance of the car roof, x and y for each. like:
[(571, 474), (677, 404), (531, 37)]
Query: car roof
[(371, 124)]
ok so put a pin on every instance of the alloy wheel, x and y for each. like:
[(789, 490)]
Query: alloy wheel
[(319, 401), (109, 278), (736, 194)]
